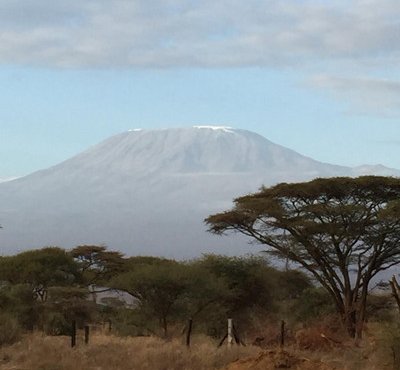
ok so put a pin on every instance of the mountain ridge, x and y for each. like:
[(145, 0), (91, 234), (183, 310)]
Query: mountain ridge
[(148, 191)]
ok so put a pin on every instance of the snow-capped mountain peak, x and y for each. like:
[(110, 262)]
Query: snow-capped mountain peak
[(148, 191)]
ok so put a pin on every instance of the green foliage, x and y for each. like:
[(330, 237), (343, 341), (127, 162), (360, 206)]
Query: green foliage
[(208, 290), (19, 301), (55, 323), (128, 322), (40, 269), (249, 280), (381, 308), (132, 262), (253, 282), (40, 290), (158, 289), (290, 284), (47, 289), (253, 291), (96, 264), (312, 303), (204, 291), (64, 305)]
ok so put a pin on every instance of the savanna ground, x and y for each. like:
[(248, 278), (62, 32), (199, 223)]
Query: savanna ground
[(311, 348)]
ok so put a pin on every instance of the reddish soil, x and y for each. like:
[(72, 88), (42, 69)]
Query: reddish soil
[(278, 359)]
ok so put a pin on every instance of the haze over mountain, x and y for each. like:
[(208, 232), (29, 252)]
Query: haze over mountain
[(148, 191)]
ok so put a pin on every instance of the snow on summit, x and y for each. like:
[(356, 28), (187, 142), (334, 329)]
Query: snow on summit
[(223, 128)]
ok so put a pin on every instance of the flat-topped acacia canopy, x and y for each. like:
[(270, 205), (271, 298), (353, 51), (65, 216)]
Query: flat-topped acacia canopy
[(342, 230)]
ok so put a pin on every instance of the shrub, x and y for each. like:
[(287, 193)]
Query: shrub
[(313, 303), (10, 331), (388, 340), (54, 323)]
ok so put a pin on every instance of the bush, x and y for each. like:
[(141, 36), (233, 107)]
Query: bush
[(380, 307), (10, 331), (313, 303), (388, 340), (54, 323)]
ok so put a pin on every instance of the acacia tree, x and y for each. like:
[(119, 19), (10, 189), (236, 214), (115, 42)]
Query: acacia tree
[(344, 231), (40, 269), (167, 291), (97, 264), (157, 288)]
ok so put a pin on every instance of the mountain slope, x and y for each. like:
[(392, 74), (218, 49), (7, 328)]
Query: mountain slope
[(148, 191)]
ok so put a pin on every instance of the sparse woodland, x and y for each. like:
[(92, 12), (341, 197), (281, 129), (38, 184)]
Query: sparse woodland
[(46, 289), (334, 235)]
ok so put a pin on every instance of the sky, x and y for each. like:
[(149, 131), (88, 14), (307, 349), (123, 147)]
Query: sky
[(320, 77)]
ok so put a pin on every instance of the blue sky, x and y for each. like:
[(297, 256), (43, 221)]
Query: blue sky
[(319, 77)]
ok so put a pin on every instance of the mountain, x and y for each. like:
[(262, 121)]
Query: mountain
[(148, 191), (5, 179)]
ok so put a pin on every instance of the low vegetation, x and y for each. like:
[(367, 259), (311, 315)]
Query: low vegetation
[(57, 287), (49, 288), (106, 352), (37, 351)]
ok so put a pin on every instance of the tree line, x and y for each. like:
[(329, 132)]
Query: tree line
[(46, 289)]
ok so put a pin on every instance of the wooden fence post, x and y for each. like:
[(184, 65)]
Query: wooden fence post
[(222, 340), (73, 334), (282, 333), (189, 332), (230, 333), (86, 334)]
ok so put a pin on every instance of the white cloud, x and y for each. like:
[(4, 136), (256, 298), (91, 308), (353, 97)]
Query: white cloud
[(218, 33), (363, 95), (337, 38)]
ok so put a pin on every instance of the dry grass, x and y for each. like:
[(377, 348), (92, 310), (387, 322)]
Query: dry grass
[(107, 352), (342, 353), (38, 352), (364, 357), (324, 345)]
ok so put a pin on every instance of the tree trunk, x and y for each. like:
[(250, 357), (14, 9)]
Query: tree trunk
[(361, 313), (354, 318), (395, 290), (349, 320), (359, 327)]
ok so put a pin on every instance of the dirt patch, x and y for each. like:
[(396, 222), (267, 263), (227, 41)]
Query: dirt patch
[(277, 359)]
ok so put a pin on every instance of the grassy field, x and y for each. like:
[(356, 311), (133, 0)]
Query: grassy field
[(105, 352)]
